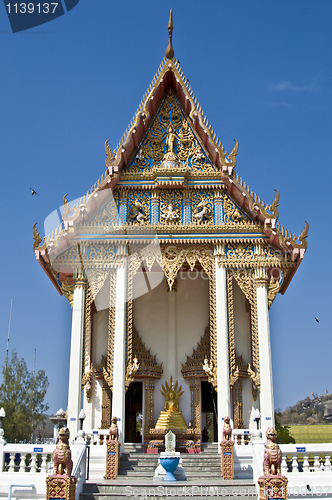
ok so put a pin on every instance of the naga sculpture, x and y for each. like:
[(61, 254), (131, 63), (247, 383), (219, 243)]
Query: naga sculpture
[(63, 464), (272, 454), (114, 431)]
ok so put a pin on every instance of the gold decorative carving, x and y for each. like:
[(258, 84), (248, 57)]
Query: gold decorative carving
[(131, 372), (67, 289), (174, 256), (148, 366), (212, 375), (66, 208), (272, 208), (87, 368), (108, 371), (96, 280), (247, 284), (170, 130), (232, 155), (129, 329), (87, 383), (288, 239), (230, 317), (238, 404), (232, 214), (37, 239), (109, 154), (193, 368), (272, 290), (195, 404), (149, 404)]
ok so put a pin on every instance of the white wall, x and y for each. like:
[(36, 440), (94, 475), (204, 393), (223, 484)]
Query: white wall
[(100, 331)]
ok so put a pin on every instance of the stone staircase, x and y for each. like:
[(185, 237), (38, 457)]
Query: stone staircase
[(137, 469)]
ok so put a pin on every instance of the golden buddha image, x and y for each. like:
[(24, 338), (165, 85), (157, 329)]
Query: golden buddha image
[(171, 418)]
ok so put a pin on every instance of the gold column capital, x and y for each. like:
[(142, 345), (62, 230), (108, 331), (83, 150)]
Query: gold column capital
[(79, 282)]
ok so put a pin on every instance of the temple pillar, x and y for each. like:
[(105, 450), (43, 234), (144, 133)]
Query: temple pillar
[(76, 354), (119, 366), (266, 383), (223, 396)]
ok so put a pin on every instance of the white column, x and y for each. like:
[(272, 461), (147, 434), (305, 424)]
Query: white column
[(118, 401), (266, 390), (223, 395), (76, 353)]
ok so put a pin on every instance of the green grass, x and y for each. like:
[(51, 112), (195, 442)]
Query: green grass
[(311, 433)]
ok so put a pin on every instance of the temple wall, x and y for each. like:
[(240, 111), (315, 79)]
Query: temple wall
[(171, 324), (99, 341)]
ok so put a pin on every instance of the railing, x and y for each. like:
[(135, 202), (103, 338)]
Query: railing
[(79, 462), (26, 458), (306, 458), (20, 463), (245, 436), (97, 437)]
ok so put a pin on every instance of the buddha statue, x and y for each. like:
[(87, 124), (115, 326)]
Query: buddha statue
[(171, 418)]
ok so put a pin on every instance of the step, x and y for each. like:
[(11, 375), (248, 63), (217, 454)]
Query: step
[(154, 490)]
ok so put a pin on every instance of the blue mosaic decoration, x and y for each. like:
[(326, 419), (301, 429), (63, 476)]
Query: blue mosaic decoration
[(218, 210), (186, 211)]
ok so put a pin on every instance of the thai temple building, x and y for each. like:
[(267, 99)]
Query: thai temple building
[(170, 263)]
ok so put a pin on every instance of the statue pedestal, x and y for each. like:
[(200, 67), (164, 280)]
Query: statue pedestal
[(188, 440), (273, 486), (169, 462), (60, 487), (160, 472), (113, 458), (227, 459)]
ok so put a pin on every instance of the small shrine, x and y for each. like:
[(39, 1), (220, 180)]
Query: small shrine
[(171, 263)]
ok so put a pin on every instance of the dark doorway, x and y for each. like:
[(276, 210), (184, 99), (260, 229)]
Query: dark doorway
[(209, 413), (133, 431)]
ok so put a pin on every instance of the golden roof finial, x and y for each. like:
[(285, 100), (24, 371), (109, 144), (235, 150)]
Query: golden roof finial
[(170, 51)]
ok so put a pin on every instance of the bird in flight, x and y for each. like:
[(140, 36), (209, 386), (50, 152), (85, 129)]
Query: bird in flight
[(33, 192), (316, 319)]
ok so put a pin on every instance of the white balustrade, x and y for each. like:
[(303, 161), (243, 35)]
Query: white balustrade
[(25, 458), (245, 436), (97, 436), (306, 459)]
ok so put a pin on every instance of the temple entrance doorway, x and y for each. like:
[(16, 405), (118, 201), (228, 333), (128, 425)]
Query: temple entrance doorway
[(134, 417), (209, 413)]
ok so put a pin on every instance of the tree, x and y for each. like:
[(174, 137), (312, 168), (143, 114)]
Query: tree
[(283, 433), (22, 395)]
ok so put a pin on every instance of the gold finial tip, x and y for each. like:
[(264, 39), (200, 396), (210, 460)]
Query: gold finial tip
[(170, 22), (170, 51)]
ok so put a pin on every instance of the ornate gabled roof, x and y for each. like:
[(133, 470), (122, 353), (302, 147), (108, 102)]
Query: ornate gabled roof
[(169, 145)]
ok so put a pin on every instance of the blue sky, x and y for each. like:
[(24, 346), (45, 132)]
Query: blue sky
[(262, 73)]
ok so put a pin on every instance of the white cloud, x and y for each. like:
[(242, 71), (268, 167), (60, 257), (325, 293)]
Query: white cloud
[(289, 86)]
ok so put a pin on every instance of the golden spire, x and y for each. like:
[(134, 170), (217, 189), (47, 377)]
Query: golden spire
[(170, 51)]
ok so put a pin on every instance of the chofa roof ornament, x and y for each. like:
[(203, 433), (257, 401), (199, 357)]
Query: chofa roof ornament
[(169, 53)]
